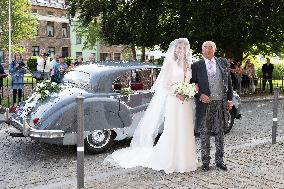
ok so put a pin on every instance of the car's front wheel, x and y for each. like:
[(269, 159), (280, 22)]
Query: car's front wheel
[(99, 141)]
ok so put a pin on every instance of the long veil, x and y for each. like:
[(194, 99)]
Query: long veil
[(153, 117)]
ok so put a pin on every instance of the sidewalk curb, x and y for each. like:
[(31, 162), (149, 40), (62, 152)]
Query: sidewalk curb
[(259, 99)]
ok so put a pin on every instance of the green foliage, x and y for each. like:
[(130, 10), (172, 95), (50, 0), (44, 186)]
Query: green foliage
[(278, 71), (160, 61), (126, 53), (32, 63), (68, 60), (24, 24), (237, 26), (90, 32)]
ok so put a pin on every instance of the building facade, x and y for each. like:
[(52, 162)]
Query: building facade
[(53, 35), (101, 51), (77, 44)]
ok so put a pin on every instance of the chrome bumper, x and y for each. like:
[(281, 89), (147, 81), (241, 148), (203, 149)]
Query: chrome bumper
[(28, 131)]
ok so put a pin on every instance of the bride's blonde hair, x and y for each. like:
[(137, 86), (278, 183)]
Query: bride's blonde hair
[(186, 53)]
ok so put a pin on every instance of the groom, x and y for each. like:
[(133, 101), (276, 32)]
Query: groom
[(213, 99)]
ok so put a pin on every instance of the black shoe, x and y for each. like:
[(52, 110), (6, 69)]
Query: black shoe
[(222, 166), (205, 167)]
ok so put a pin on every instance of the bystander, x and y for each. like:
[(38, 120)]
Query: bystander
[(267, 70), (2, 75), (17, 71)]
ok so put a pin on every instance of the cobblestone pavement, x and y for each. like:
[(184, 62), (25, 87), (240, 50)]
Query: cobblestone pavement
[(252, 161)]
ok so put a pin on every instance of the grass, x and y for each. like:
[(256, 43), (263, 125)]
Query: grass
[(7, 99), (28, 79)]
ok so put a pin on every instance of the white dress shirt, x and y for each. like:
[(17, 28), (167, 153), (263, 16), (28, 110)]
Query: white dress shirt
[(41, 67), (213, 64)]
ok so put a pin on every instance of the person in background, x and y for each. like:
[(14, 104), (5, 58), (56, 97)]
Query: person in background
[(61, 63), (71, 65), (2, 75), (91, 59), (233, 73), (53, 63), (249, 75), (267, 70), (238, 74), (79, 61), (43, 65), (59, 74), (17, 71)]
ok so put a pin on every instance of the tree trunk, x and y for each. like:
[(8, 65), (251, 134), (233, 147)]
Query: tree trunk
[(143, 58), (133, 52), (235, 53)]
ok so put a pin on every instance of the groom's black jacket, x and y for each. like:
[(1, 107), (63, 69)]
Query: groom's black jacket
[(199, 76)]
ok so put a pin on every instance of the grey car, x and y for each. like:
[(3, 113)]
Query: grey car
[(111, 110)]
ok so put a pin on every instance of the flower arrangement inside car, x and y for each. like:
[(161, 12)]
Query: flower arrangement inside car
[(185, 89), (126, 91)]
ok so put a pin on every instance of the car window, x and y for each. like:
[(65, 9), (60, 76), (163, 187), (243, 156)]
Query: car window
[(137, 79), (77, 76)]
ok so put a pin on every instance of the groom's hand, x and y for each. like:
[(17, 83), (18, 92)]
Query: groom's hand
[(204, 98), (229, 105), (196, 87)]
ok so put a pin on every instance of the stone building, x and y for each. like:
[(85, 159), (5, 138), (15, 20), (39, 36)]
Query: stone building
[(53, 35)]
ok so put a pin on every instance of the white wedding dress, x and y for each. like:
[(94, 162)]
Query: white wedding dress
[(175, 150)]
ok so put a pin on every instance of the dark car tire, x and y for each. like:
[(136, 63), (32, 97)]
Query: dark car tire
[(99, 141), (231, 120)]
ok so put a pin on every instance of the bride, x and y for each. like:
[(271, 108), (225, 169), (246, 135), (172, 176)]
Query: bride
[(175, 150)]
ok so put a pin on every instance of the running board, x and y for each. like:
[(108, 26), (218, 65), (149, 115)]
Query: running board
[(17, 135)]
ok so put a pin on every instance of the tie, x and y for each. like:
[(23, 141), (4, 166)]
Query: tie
[(211, 70)]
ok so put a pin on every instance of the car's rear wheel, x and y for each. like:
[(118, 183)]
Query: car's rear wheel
[(99, 141)]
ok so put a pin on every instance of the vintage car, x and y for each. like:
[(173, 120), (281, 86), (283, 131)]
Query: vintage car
[(111, 110)]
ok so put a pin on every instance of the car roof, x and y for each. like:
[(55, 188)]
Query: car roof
[(114, 65), (104, 73)]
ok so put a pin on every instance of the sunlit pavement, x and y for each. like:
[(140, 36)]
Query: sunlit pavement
[(252, 160)]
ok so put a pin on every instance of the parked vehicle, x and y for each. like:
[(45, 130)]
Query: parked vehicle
[(116, 95)]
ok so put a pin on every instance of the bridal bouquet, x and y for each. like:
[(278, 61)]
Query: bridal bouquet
[(185, 89)]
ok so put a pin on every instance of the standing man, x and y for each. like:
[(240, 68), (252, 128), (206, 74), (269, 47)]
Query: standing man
[(213, 99), (267, 70), (53, 63), (43, 65)]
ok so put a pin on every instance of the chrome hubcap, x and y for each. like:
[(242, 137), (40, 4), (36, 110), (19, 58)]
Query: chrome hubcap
[(99, 136)]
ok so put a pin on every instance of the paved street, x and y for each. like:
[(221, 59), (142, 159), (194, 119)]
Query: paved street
[(252, 161)]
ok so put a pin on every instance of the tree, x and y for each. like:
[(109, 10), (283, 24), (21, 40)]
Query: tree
[(237, 26), (133, 23), (24, 25)]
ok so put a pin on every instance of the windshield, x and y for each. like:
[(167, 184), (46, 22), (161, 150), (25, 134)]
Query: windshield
[(77, 76)]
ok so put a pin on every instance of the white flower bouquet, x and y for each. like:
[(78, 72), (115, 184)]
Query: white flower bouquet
[(45, 88), (185, 89)]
